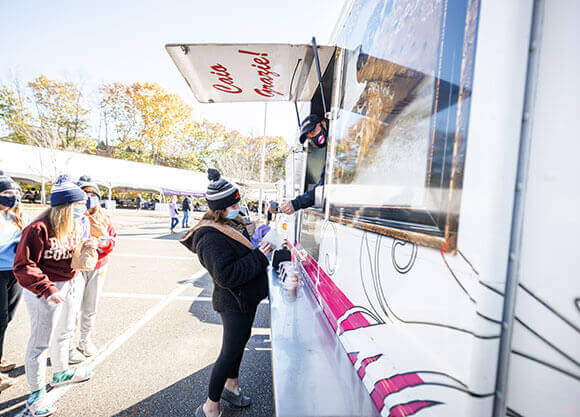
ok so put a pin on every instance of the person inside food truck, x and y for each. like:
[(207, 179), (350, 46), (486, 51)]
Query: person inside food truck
[(314, 129)]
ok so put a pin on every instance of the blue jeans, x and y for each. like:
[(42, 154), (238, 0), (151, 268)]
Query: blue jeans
[(174, 222), (185, 221)]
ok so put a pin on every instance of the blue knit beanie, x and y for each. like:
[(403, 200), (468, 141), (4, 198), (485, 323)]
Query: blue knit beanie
[(64, 191)]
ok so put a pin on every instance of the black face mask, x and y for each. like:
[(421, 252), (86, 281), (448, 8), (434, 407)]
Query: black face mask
[(320, 140), (9, 201)]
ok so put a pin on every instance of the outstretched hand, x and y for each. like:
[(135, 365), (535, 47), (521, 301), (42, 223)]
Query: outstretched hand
[(286, 207), (265, 248)]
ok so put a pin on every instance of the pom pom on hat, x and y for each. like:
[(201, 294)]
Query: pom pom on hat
[(61, 179), (213, 174), (64, 191)]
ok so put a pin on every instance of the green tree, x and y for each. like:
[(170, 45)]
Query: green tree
[(14, 116), (59, 108)]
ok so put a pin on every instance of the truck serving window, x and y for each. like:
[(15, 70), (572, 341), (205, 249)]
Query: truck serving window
[(316, 159), (400, 136)]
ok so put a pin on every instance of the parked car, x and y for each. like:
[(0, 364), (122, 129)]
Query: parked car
[(129, 203)]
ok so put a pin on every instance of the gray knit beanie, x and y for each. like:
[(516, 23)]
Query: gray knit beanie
[(220, 193), (88, 186)]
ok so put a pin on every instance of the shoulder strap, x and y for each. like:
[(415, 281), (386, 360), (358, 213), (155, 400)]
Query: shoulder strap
[(224, 229)]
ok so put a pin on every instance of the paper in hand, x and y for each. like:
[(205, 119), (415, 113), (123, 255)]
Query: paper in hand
[(274, 238)]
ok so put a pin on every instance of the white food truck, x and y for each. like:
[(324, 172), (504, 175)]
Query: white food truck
[(441, 248)]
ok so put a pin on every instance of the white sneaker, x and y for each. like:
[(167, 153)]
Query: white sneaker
[(79, 375), (75, 357), (41, 408), (87, 348)]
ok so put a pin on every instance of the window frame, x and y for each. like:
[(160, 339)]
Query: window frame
[(409, 223)]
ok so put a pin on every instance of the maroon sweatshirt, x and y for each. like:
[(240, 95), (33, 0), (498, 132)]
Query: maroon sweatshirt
[(41, 260)]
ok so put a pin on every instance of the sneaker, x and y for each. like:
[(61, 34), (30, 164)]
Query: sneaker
[(199, 412), (70, 377), (87, 348), (239, 400), (75, 357), (5, 382), (6, 366), (41, 407)]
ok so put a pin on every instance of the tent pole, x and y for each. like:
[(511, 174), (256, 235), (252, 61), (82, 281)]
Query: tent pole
[(263, 156), (42, 192)]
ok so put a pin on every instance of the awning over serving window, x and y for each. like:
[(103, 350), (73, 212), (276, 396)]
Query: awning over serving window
[(218, 73)]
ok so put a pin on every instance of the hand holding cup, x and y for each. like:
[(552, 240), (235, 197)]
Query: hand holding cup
[(265, 248)]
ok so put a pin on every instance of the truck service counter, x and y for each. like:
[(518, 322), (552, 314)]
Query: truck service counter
[(311, 371)]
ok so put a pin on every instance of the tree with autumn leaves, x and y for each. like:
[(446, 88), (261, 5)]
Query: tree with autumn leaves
[(46, 113), (140, 122)]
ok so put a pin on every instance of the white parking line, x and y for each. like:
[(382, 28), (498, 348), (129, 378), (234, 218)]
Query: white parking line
[(111, 347), (148, 239), (158, 297), (146, 296), (138, 255)]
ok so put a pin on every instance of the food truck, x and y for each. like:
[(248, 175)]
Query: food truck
[(438, 262)]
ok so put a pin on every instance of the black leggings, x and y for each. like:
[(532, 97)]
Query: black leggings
[(10, 292), (237, 330)]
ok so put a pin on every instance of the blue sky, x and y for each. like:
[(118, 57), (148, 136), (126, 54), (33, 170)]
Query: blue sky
[(104, 41)]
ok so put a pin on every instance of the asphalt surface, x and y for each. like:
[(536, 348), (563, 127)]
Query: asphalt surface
[(157, 333)]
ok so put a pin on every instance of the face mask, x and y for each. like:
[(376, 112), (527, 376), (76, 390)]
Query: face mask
[(232, 214), (319, 141), (92, 202), (79, 211), (9, 201)]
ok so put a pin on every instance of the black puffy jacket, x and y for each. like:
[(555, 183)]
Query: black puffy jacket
[(239, 273)]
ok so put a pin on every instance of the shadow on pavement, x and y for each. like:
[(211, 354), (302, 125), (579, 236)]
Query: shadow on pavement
[(7, 404), (184, 396), (204, 312), (16, 372), (203, 309), (171, 236)]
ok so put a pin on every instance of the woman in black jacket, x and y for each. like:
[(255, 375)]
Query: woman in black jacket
[(240, 283)]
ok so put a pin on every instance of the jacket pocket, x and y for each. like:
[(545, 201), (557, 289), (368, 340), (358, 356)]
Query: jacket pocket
[(237, 294)]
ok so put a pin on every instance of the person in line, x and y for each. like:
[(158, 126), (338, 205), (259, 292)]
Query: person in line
[(12, 222), (186, 208), (92, 282), (42, 266), (314, 129), (173, 213), (239, 274)]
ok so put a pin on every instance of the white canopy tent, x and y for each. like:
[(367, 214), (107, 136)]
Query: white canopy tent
[(44, 165)]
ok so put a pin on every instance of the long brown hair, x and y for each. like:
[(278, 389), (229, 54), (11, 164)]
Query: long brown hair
[(218, 216), (99, 214), (61, 222), (17, 216)]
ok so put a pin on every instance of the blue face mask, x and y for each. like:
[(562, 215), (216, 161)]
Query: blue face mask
[(79, 211), (232, 214), (9, 201), (92, 202)]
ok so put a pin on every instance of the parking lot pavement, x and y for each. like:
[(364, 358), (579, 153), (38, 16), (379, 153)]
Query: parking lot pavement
[(157, 332)]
